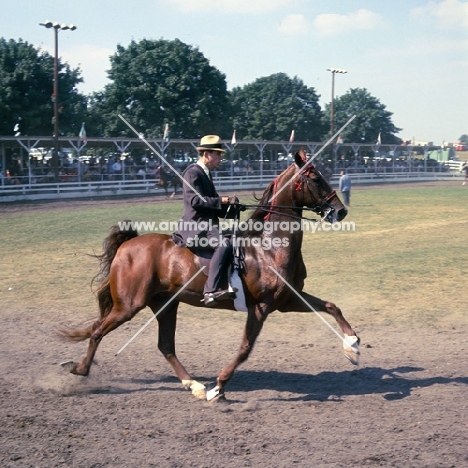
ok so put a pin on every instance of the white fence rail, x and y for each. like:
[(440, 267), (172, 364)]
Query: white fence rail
[(454, 165), (64, 190)]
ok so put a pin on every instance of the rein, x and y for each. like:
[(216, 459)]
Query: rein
[(267, 209), (275, 188)]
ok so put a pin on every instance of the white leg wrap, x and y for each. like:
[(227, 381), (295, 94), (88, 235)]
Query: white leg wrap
[(213, 393), (197, 388), (351, 348)]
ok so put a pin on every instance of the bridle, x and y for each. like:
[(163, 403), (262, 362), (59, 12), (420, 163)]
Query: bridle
[(323, 210), (325, 207)]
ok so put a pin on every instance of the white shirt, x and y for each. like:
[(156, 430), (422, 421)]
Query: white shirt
[(203, 166)]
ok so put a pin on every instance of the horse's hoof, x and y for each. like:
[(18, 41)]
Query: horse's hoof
[(74, 370), (198, 389), (215, 393), (221, 398), (200, 394), (73, 367), (66, 364), (69, 366), (351, 349)]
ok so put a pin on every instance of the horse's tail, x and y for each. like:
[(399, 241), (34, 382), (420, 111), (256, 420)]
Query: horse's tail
[(117, 236)]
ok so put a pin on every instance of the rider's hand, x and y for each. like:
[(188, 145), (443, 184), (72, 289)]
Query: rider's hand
[(232, 200)]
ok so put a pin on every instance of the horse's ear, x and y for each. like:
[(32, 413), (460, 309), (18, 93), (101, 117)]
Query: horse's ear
[(300, 157)]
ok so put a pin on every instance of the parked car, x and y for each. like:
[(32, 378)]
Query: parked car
[(37, 153)]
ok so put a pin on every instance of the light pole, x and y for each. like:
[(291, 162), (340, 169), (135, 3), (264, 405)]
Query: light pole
[(332, 106), (57, 27)]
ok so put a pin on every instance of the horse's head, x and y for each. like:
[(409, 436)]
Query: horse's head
[(312, 190)]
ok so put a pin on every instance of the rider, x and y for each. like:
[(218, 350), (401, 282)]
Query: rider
[(199, 225)]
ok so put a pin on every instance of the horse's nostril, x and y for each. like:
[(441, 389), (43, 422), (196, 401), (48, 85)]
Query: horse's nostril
[(341, 214)]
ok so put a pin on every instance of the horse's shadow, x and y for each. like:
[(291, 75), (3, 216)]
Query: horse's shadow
[(390, 383)]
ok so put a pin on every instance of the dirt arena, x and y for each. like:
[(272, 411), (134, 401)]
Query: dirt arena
[(297, 402)]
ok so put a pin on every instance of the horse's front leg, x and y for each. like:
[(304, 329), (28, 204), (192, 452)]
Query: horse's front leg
[(309, 303), (255, 319), (167, 321)]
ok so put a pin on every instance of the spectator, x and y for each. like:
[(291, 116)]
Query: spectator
[(345, 187), (117, 166), (465, 169)]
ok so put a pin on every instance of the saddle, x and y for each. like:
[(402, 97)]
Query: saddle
[(204, 257), (234, 281)]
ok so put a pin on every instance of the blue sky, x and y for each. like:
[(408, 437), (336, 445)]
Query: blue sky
[(412, 55)]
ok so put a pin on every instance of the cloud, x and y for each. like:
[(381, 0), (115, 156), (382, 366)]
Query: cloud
[(447, 14), (229, 6), (332, 24), (294, 25)]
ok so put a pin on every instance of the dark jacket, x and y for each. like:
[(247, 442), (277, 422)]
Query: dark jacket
[(199, 217)]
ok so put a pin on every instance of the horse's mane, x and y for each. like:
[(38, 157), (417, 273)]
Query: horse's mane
[(264, 203), (259, 212)]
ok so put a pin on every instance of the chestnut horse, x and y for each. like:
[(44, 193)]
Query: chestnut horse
[(168, 179), (149, 270)]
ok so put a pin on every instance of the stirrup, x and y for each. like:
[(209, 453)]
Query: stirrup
[(211, 299)]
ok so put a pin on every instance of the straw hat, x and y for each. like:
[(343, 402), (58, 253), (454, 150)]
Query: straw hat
[(211, 143)]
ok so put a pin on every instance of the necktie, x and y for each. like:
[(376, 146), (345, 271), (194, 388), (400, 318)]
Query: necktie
[(212, 184)]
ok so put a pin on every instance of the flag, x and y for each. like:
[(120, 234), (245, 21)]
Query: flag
[(339, 140), (233, 139), (291, 138), (379, 140), (166, 135), (82, 133)]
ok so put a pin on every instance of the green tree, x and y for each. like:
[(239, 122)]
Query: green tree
[(271, 107), (371, 119), (464, 139), (26, 85), (162, 82)]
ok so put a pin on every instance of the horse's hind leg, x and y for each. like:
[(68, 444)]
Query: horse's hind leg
[(113, 320), (167, 321)]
